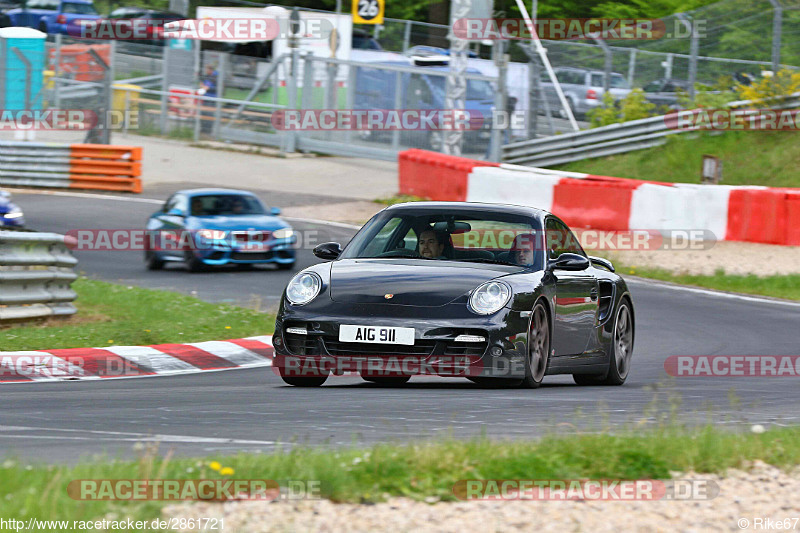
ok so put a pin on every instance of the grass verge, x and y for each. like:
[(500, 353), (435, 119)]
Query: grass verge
[(110, 314), (418, 471), (785, 286), (399, 199), (766, 158)]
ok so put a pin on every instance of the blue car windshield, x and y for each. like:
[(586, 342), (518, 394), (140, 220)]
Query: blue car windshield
[(225, 204), (78, 9)]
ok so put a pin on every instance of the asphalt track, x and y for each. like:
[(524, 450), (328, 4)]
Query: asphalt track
[(251, 410)]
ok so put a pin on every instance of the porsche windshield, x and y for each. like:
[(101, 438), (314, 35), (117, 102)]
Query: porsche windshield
[(471, 236)]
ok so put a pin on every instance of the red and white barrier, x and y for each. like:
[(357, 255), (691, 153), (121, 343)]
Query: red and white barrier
[(134, 361), (754, 214)]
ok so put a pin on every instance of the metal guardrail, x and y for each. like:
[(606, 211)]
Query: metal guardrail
[(36, 273), (81, 166), (35, 164), (608, 140)]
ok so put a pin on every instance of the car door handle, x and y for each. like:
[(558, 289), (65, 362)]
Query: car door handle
[(593, 295)]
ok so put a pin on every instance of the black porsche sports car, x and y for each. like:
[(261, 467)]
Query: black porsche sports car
[(498, 294)]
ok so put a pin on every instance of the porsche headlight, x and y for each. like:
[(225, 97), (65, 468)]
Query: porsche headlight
[(303, 288), (283, 233), (489, 298), (16, 213)]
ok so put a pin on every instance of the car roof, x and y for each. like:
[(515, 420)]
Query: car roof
[(445, 68), (474, 206), (211, 190), (589, 70)]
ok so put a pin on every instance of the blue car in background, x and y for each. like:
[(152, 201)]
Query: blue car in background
[(52, 16), (208, 227), (10, 213)]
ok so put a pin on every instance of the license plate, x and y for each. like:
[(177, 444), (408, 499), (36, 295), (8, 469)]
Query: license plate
[(376, 334)]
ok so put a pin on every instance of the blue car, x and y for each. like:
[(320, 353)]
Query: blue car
[(53, 16), (10, 213), (209, 227)]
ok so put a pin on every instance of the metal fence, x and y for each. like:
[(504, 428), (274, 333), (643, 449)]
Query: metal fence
[(736, 36), (36, 273)]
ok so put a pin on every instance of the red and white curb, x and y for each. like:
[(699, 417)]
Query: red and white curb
[(135, 361)]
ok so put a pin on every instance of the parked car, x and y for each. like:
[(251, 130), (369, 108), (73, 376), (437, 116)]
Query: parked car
[(436, 288), (376, 88), (53, 16), (664, 92), (153, 18), (208, 227), (10, 213), (583, 89), (363, 40), (5, 7)]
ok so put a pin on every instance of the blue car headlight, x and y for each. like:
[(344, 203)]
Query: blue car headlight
[(283, 233)]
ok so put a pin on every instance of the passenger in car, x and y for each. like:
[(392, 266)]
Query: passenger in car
[(522, 249)]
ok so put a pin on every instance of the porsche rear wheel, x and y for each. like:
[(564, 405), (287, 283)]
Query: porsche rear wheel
[(619, 360), (538, 348)]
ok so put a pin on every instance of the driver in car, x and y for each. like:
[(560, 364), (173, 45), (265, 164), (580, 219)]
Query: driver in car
[(432, 244), (197, 206)]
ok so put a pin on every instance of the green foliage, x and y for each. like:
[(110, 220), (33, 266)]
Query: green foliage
[(767, 89), (605, 114), (633, 107), (767, 158)]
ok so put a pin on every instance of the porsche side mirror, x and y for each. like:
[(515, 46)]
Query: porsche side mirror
[(175, 212), (274, 211), (570, 262), (328, 250)]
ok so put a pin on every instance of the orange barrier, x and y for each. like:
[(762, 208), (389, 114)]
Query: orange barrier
[(105, 167), (434, 175), (78, 64)]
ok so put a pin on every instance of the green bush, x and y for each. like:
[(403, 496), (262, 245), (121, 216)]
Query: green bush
[(633, 107)]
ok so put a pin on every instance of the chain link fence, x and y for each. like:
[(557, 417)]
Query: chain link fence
[(209, 94)]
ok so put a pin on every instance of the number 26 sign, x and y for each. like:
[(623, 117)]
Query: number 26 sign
[(368, 11)]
